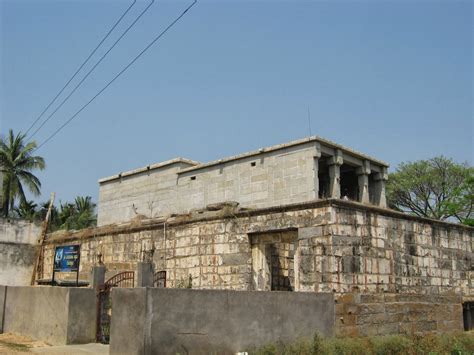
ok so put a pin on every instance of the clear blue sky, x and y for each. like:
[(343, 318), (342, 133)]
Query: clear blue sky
[(393, 79)]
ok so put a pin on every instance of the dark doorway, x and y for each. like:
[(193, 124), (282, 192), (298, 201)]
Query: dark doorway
[(323, 178), (349, 183), (468, 315)]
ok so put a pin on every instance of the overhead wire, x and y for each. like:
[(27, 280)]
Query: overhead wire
[(92, 69), (81, 66), (118, 75)]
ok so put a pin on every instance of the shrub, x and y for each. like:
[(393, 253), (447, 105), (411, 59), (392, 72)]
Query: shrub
[(431, 344), (391, 345)]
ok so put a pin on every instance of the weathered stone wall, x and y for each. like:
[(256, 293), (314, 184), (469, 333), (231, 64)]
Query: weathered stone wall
[(384, 252), (341, 247), (388, 313), (17, 251)]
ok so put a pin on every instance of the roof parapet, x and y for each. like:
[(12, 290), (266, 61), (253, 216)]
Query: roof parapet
[(317, 139), (149, 168)]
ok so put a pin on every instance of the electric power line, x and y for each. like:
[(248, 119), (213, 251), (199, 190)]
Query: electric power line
[(91, 70), (81, 66), (118, 75)]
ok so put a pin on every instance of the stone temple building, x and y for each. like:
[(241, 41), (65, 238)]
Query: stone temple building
[(299, 171), (309, 215)]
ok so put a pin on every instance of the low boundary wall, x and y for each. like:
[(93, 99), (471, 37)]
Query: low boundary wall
[(57, 315), (3, 290), (169, 321), (17, 251)]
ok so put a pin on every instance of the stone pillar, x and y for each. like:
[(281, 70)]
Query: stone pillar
[(335, 163), (363, 173), (145, 273), (316, 156), (379, 190), (97, 278)]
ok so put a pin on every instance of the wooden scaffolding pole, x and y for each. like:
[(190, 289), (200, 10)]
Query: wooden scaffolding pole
[(39, 246)]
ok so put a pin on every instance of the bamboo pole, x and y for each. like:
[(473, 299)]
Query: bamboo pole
[(39, 246)]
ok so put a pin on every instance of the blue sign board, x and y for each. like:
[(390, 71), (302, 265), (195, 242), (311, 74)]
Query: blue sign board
[(66, 258)]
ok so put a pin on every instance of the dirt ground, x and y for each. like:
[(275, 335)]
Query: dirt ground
[(18, 344)]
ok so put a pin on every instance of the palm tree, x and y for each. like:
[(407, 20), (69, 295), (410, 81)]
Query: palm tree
[(85, 210), (27, 210), (16, 165), (77, 215)]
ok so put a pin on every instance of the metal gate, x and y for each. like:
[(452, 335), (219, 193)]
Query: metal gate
[(104, 303), (159, 279)]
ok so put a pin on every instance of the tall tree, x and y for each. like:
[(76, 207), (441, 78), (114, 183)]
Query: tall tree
[(77, 215), (436, 188), (27, 210), (16, 165)]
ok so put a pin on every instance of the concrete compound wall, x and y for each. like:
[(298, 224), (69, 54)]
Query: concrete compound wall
[(17, 251), (3, 290), (56, 315), (166, 321)]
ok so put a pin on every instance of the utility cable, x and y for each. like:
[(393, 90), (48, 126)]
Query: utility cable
[(81, 66), (91, 70), (118, 75)]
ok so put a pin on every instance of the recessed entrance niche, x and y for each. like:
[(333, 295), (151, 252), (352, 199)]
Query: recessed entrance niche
[(273, 260)]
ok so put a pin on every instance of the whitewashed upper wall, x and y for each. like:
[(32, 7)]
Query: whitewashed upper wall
[(277, 177), (150, 193), (274, 178)]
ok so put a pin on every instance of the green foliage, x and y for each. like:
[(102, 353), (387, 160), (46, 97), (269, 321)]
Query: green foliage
[(436, 188), (16, 165), (27, 210), (345, 346), (391, 345), (431, 344), (77, 215), (185, 283)]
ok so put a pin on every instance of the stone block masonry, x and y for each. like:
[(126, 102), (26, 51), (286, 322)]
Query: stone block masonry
[(340, 247), (299, 171), (326, 246), (388, 313)]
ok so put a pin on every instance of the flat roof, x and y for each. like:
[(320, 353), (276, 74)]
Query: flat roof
[(283, 146), (195, 165)]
